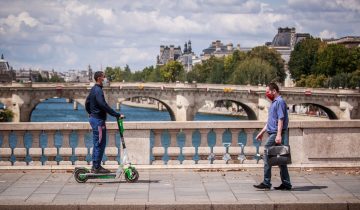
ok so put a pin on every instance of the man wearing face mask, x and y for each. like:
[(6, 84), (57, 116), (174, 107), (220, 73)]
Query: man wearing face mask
[(276, 127), (97, 108)]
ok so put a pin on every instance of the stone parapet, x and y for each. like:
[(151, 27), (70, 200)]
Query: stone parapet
[(184, 144)]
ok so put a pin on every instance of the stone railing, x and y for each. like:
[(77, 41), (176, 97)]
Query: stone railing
[(178, 143)]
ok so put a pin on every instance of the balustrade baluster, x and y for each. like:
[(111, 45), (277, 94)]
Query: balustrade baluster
[(165, 143), (43, 142), (211, 137), (89, 144), (73, 142), (58, 141), (181, 138), (196, 142), (28, 141)]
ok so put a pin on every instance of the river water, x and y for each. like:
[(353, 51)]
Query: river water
[(58, 110)]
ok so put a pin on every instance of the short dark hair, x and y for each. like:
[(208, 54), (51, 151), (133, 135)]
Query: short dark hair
[(97, 75), (273, 86)]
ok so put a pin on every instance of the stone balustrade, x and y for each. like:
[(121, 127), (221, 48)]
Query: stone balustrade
[(178, 143)]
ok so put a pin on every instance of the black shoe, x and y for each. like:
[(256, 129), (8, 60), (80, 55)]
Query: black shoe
[(262, 186), (99, 170), (282, 187)]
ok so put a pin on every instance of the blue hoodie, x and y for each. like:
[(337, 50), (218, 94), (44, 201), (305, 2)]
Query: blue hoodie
[(96, 105)]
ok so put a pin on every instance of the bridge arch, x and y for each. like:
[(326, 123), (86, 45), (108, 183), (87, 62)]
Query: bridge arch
[(251, 114), (329, 112), (167, 106)]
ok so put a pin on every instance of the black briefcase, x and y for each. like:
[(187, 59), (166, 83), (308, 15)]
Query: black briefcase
[(278, 155)]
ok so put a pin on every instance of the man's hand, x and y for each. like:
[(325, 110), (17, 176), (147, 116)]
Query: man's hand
[(278, 139), (259, 136), (122, 116)]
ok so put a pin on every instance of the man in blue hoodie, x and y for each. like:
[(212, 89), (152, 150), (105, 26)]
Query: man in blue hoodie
[(97, 108)]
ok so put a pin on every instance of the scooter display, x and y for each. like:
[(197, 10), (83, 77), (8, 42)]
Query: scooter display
[(82, 174)]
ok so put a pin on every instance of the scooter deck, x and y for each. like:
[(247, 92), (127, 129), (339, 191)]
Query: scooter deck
[(100, 176)]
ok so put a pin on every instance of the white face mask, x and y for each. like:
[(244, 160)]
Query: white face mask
[(105, 82)]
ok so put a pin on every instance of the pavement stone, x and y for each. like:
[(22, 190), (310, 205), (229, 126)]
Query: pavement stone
[(180, 189)]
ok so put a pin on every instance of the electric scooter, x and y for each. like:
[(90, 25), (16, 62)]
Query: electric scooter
[(82, 174)]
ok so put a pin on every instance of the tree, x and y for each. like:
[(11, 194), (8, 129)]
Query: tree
[(56, 78), (6, 115), (172, 71), (155, 75), (273, 58), (230, 63), (303, 58), (334, 59), (254, 71)]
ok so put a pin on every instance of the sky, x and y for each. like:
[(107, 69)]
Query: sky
[(72, 34)]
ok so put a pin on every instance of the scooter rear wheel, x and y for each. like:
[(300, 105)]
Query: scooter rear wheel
[(79, 178), (133, 176)]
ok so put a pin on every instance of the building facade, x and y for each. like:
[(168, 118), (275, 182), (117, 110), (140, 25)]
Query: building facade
[(6, 71), (218, 49)]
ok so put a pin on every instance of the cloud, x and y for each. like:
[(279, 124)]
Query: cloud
[(13, 23), (326, 34), (68, 34)]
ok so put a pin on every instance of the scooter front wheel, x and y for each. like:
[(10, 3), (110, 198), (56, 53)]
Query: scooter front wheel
[(131, 175), (80, 176)]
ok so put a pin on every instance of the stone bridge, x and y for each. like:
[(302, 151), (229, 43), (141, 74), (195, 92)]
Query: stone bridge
[(182, 100)]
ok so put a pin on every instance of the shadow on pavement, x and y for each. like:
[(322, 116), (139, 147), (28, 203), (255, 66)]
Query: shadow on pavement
[(308, 188), (122, 181)]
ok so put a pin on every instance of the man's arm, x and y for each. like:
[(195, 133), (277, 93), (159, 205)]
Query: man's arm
[(260, 135), (101, 101), (87, 104), (279, 130)]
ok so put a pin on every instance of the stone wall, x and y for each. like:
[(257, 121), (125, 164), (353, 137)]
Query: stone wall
[(313, 143)]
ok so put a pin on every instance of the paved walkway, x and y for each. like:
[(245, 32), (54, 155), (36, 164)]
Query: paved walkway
[(181, 189)]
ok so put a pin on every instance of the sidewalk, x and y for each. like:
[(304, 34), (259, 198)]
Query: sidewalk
[(181, 189)]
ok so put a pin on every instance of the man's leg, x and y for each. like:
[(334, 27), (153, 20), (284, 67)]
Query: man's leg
[(102, 141), (285, 177), (96, 147), (284, 172), (267, 168)]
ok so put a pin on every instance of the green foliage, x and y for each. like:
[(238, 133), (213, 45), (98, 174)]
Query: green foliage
[(273, 58), (334, 59), (6, 115), (303, 58), (254, 71), (354, 79), (231, 62), (172, 71), (56, 78), (314, 81), (315, 64)]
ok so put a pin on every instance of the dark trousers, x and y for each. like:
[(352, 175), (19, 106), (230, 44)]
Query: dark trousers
[(284, 173), (99, 140)]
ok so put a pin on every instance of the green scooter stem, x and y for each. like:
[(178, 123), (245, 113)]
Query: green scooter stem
[(121, 131)]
